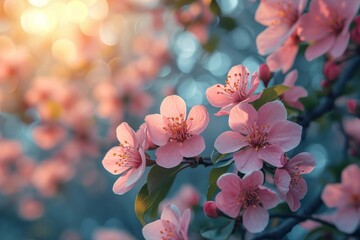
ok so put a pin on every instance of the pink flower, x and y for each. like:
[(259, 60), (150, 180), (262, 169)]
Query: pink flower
[(289, 182), (326, 26), (265, 74), (127, 159), (171, 225), (281, 17), (259, 135), (111, 234), (175, 136), (345, 196), (291, 96), (246, 197), (234, 91), (210, 209)]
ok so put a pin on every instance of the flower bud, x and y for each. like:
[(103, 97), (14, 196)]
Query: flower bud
[(210, 209), (331, 70), (265, 74), (325, 84), (353, 107), (355, 32)]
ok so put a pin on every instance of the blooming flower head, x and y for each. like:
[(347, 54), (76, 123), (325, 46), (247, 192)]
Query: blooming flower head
[(326, 26), (289, 182), (258, 135), (246, 197), (171, 226), (345, 196), (127, 159), (176, 136), (291, 96), (235, 90), (281, 17)]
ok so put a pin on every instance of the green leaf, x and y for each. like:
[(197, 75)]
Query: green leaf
[(215, 173), (159, 182), (215, 8), (219, 233), (269, 94), (216, 156)]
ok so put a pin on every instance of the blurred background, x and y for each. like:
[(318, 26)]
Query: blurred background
[(71, 71)]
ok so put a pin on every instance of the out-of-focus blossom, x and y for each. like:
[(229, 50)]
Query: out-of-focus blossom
[(111, 234), (280, 38), (258, 136), (353, 107), (246, 197), (49, 176), (171, 225), (30, 208), (265, 75), (289, 182), (355, 32), (15, 168), (176, 135), (237, 89), (331, 70), (345, 197), (186, 197), (292, 96), (210, 209), (352, 130), (127, 159), (326, 27), (48, 135)]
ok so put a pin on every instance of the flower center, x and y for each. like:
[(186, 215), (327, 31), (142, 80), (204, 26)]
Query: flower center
[(237, 89), (169, 232), (249, 198), (258, 136), (336, 25), (178, 128), (129, 157), (286, 14)]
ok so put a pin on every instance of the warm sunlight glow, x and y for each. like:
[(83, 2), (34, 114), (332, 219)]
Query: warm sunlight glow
[(35, 21), (39, 3), (65, 51), (76, 11)]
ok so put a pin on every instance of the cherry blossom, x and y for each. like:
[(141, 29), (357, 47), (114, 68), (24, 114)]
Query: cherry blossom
[(172, 225), (186, 197), (291, 96), (326, 26), (246, 197), (176, 136), (258, 136), (289, 182), (345, 196), (237, 89), (127, 159)]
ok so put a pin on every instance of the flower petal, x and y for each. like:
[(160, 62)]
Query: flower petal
[(125, 134), (168, 156), (120, 186), (173, 106), (282, 182), (351, 177), (111, 160), (229, 141), (171, 213), (286, 135), (334, 195), (242, 116), (255, 219), (184, 223), (272, 37), (247, 161), (271, 113), (340, 45), (155, 124), (268, 198), (347, 219), (320, 47), (198, 119), (193, 146), (216, 96), (303, 161), (151, 231), (272, 155)]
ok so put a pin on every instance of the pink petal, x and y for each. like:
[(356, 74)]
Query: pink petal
[(229, 142), (193, 146), (301, 5), (268, 198), (293, 202), (340, 45), (272, 155), (253, 179), (319, 48), (282, 182), (198, 119), (168, 156), (271, 113), (247, 161), (111, 159), (136, 173), (351, 177), (334, 195), (238, 73), (226, 109), (125, 133), (242, 116), (173, 106), (171, 213), (304, 162), (151, 231), (267, 12), (120, 186), (231, 183), (299, 188), (155, 125), (227, 204), (286, 135), (255, 81), (184, 223), (283, 57), (255, 219), (291, 97), (272, 38), (347, 219), (311, 27), (216, 97), (291, 78)]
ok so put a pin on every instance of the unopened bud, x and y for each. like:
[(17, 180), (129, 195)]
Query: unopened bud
[(331, 70), (325, 84), (355, 32), (353, 107), (210, 209), (265, 74)]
